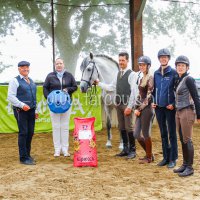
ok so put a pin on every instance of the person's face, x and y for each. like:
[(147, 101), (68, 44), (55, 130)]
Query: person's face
[(164, 60), (181, 68), (143, 67), (123, 62), (59, 65), (24, 70)]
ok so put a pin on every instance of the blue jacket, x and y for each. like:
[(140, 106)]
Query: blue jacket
[(164, 87), (27, 92)]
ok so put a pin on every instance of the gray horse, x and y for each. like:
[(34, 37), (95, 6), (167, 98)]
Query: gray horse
[(105, 69)]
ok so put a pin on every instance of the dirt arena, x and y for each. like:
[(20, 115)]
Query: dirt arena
[(114, 178)]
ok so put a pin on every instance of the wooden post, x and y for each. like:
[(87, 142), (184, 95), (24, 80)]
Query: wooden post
[(136, 8)]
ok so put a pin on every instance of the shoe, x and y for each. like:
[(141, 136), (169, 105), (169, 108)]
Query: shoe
[(187, 172), (180, 169), (56, 154), (27, 162), (32, 159), (163, 163), (122, 154), (131, 155), (152, 158), (171, 164), (66, 154), (147, 160)]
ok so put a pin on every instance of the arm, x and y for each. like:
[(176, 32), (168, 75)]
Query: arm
[(190, 83), (12, 94), (108, 87), (73, 86), (46, 87), (132, 79)]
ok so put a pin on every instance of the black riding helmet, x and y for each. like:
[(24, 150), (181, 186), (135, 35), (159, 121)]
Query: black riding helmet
[(144, 59), (164, 52), (182, 59)]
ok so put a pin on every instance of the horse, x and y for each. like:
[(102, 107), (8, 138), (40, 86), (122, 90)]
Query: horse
[(105, 69)]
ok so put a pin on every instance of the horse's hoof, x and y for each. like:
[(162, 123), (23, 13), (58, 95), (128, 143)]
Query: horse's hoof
[(108, 144), (121, 146)]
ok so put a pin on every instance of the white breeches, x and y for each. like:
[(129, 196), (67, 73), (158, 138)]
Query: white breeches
[(60, 127)]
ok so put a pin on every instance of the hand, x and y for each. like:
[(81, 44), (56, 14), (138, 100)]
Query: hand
[(153, 105), (36, 115), (198, 120), (127, 111), (96, 82), (137, 113), (65, 90), (26, 108), (170, 107)]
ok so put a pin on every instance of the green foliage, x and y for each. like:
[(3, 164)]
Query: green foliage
[(171, 17)]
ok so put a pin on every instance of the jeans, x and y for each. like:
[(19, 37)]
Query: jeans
[(167, 125)]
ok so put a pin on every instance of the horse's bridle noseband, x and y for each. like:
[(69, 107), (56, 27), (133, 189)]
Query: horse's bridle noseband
[(94, 67)]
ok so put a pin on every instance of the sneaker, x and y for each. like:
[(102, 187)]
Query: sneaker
[(66, 154), (56, 154)]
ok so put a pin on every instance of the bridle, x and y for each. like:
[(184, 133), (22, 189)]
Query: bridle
[(92, 72), (93, 90)]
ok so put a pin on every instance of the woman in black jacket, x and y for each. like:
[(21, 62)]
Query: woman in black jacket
[(60, 80), (187, 101)]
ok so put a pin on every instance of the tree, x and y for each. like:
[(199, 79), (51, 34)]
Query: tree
[(168, 17), (78, 27)]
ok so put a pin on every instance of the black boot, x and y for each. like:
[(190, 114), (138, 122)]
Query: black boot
[(189, 160), (183, 166), (125, 150), (132, 148)]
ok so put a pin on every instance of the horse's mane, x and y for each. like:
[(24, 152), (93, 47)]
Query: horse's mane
[(109, 58), (86, 60)]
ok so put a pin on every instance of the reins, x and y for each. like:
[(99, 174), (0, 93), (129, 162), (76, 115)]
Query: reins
[(93, 90)]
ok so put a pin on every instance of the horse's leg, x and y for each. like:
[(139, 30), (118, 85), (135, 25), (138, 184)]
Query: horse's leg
[(108, 126)]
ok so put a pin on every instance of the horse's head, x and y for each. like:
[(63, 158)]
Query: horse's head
[(89, 73)]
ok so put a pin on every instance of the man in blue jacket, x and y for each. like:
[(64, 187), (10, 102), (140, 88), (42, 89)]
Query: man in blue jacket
[(164, 104)]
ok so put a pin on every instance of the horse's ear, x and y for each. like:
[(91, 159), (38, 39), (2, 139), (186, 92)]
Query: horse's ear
[(91, 55)]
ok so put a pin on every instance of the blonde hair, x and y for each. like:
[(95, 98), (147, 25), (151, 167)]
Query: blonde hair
[(146, 77)]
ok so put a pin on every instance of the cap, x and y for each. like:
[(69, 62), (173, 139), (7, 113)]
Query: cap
[(23, 63)]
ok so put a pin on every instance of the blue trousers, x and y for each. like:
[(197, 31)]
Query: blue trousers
[(26, 124), (167, 125)]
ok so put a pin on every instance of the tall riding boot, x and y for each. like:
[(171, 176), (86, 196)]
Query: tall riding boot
[(125, 150), (148, 144), (190, 157), (183, 166), (142, 143), (132, 148)]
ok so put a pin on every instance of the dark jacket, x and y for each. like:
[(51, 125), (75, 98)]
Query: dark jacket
[(26, 92), (53, 83), (187, 94), (164, 87)]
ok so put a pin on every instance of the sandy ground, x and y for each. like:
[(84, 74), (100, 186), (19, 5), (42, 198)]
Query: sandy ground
[(114, 178)]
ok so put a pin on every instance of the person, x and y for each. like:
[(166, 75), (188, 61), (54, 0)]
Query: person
[(22, 95), (187, 101), (143, 110), (126, 92), (60, 79), (164, 102)]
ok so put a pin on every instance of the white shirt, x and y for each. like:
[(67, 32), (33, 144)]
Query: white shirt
[(12, 93), (132, 80)]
